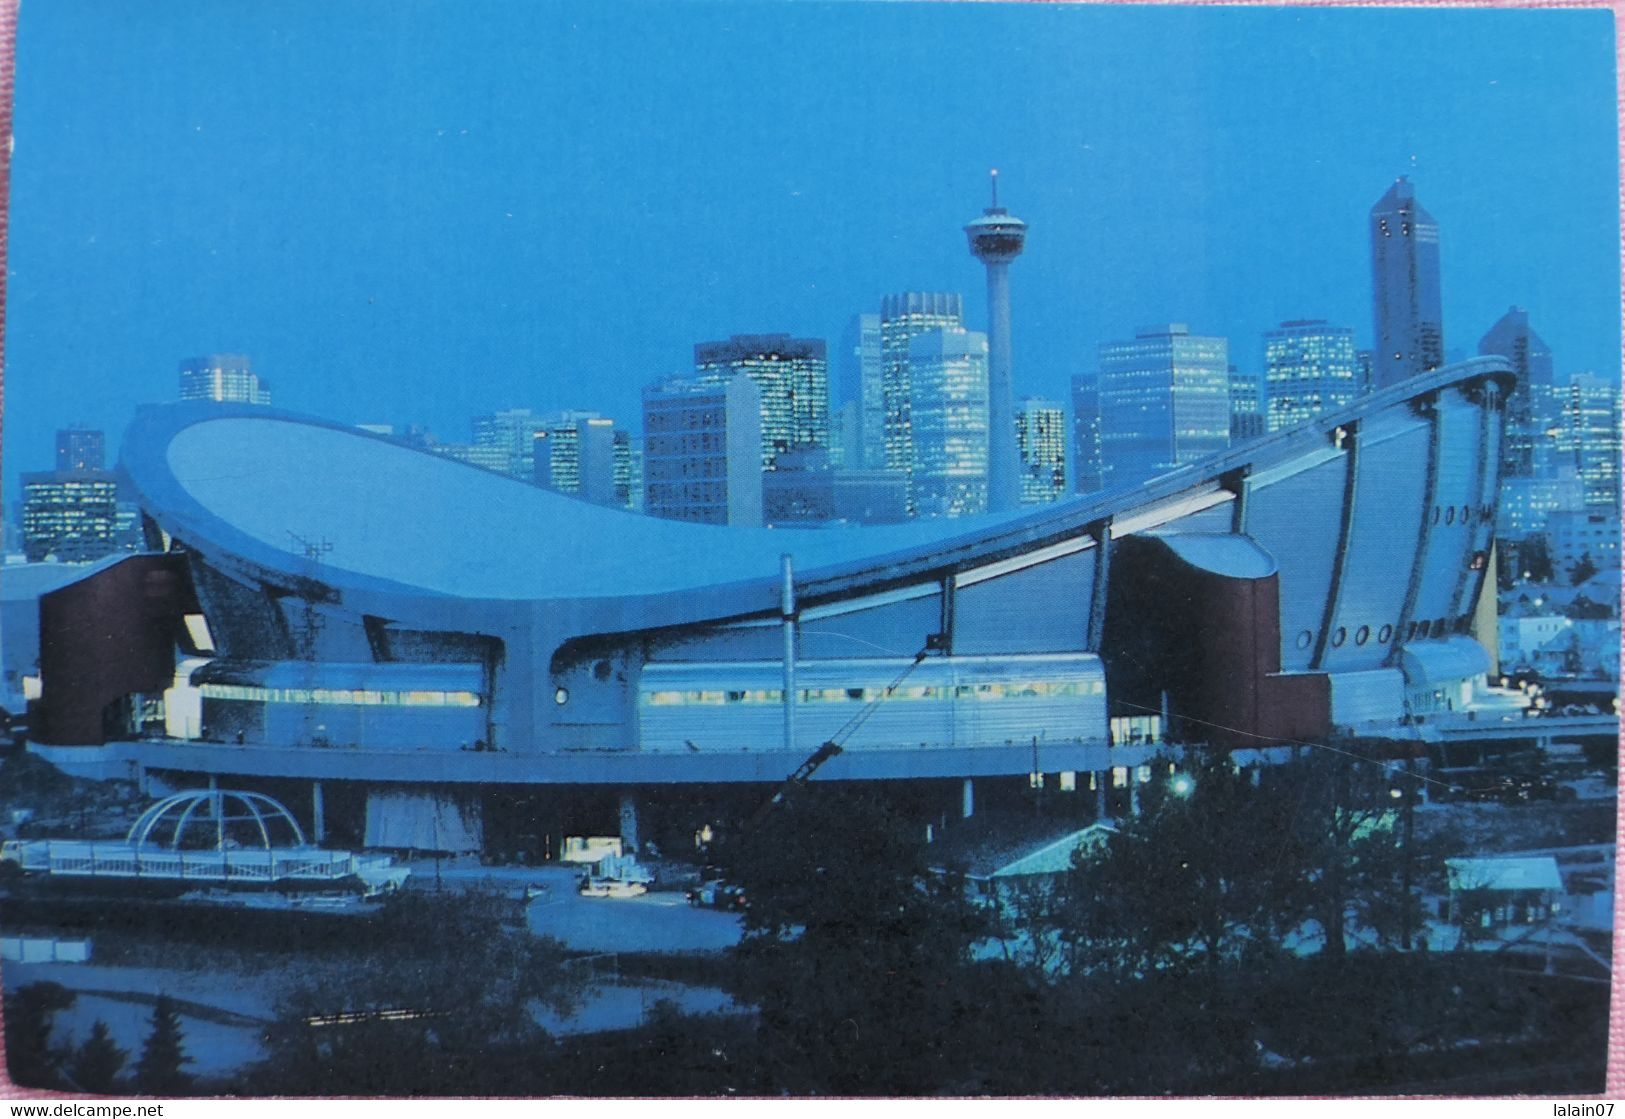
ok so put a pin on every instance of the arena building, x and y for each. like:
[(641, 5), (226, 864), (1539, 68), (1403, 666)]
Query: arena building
[(444, 657)]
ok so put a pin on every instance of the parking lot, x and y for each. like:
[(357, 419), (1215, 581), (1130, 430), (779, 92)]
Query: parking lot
[(659, 921)]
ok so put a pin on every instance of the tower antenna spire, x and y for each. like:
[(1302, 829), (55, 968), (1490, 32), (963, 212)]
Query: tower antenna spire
[(994, 175)]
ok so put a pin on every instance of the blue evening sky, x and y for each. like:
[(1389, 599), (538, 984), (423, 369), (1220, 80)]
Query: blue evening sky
[(417, 211)]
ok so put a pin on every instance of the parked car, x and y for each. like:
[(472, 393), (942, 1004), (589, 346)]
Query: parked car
[(717, 894), (595, 887)]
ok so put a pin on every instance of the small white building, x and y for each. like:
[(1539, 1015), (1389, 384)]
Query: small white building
[(1489, 895)]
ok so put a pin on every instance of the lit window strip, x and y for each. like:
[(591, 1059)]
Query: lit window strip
[(1036, 689), (353, 697)]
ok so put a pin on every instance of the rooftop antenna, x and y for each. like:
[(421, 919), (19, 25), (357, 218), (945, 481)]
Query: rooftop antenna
[(994, 175)]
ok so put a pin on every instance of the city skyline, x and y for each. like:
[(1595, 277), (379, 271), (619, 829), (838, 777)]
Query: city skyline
[(591, 288)]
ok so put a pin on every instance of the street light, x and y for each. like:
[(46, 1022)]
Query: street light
[(1182, 785)]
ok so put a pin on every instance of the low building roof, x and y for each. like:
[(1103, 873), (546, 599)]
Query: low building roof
[(1505, 874)]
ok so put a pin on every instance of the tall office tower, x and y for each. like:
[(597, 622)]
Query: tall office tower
[(70, 515), (1405, 287), (224, 379), (996, 238), (1088, 471), (634, 474), (861, 379), (1246, 406), (793, 376), (621, 469), (846, 436), (1041, 443), (585, 454), (1365, 362), (1164, 401), (514, 432), (702, 450), (1309, 368), (948, 371), (79, 448), (902, 317), (1586, 436), (1521, 440)]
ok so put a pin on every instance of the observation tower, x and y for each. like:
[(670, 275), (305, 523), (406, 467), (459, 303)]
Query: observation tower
[(997, 238)]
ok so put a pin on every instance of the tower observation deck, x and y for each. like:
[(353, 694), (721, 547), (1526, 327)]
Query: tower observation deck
[(996, 238)]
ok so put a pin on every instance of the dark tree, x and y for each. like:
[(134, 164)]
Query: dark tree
[(1210, 872), (1584, 568), (1358, 854), (97, 1061), (1532, 556), (855, 953), (449, 1007), (30, 1057), (159, 1071)]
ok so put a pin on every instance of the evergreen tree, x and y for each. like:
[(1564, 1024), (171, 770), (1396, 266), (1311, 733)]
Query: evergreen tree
[(158, 1072), (30, 1059), (97, 1061)]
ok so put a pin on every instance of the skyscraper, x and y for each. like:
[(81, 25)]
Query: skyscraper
[(70, 515), (585, 454), (1164, 401), (1087, 467), (793, 376), (948, 370), (1309, 368), (1586, 436), (224, 379), (702, 450), (79, 448), (1405, 287), (1041, 442), (571, 451), (902, 317), (1531, 361), (1246, 405), (997, 238), (514, 431), (860, 378)]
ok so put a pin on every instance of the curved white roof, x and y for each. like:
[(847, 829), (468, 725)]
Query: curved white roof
[(397, 513)]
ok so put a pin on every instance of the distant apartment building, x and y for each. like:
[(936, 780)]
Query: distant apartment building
[(1588, 535), (224, 379), (1164, 401), (702, 450), (792, 377), (1041, 449), (1526, 503), (1309, 368)]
